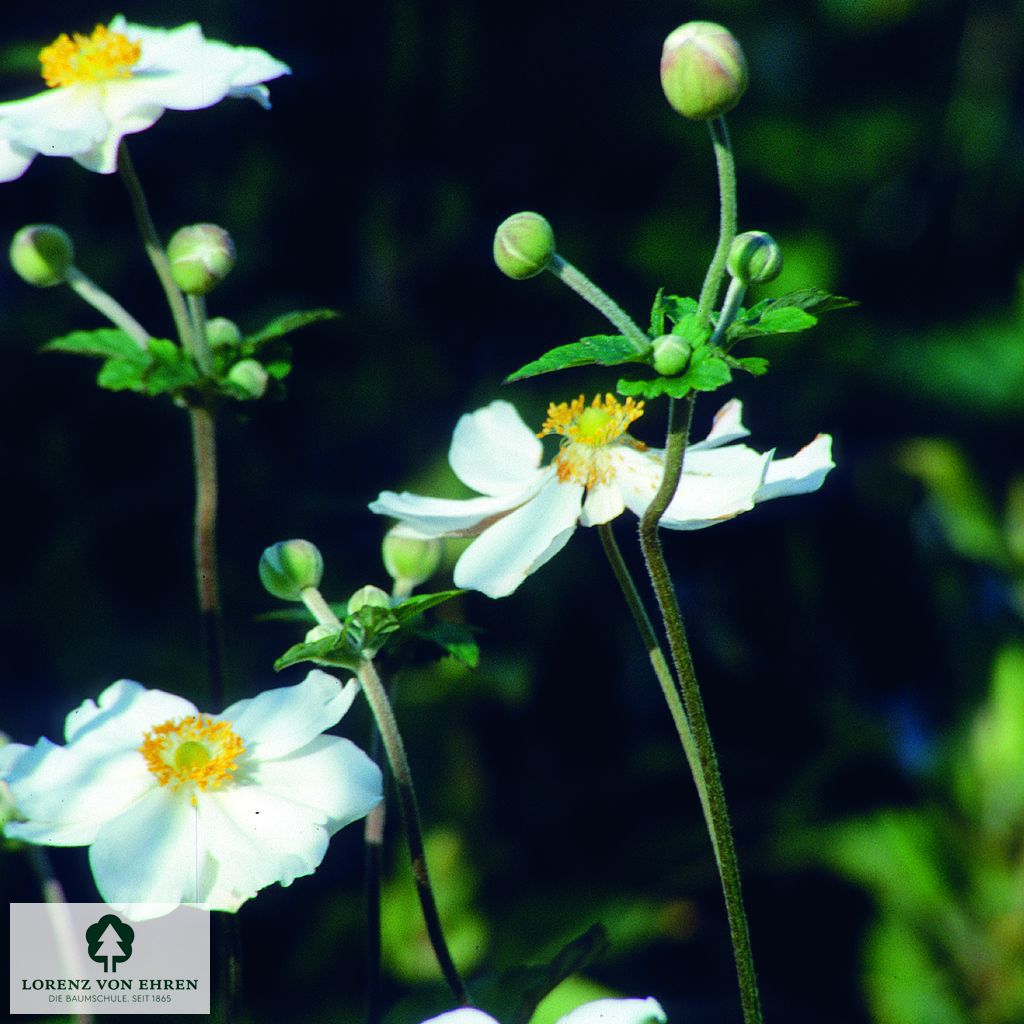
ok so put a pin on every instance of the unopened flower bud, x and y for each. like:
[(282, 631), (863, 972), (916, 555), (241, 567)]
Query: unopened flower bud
[(250, 377), (671, 354), (319, 632), (703, 70), (288, 567), (222, 332), (368, 597), (42, 254), (524, 245), (410, 557), (201, 257), (754, 257)]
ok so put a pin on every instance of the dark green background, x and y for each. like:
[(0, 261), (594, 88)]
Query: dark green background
[(836, 636)]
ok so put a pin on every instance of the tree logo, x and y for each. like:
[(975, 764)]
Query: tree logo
[(110, 942)]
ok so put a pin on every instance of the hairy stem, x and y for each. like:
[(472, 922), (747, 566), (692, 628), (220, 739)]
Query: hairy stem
[(602, 302), (718, 812), (727, 217)]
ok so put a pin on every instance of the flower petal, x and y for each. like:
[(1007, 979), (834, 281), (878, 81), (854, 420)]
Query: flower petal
[(465, 1015), (279, 721), (68, 796), (637, 475), (152, 853), (520, 543), (801, 473), (617, 1011), (121, 717), (726, 427), (494, 451), (452, 517), (716, 485), (603, 503), (330, 775), (14, 160)]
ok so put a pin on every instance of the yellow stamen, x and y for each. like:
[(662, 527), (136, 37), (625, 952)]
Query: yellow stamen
[(197, 749), (588, 430), (100, 57)]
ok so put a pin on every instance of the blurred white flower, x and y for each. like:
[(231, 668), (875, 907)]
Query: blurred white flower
[(528, 512), (182, 807), (120, 80), (602, 1011)]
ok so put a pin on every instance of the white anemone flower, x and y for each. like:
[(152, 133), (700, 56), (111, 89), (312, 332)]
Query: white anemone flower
[(601, 1011), (120, 80), (527, 512), (182, 807)]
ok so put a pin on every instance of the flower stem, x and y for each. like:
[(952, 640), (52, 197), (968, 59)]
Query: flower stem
[(718, 819), (730, 307), (602, 302), (387, 725), (377, 698), (88, 290), (727, 216), (201, 347), (204, 456), (373, 844), (657, 658), (60, 917), (154, 248)]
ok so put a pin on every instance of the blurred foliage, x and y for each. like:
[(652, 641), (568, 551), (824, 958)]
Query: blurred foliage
[(836, 638)]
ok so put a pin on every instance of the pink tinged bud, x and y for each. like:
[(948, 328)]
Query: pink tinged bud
[(703, 70)]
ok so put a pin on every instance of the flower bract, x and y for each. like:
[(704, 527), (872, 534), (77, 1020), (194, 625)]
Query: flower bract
[(119, 80), (182, 807), (601, 1011), (528, 511)]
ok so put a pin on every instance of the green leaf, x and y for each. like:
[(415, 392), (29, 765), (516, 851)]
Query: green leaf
[(453, 638), (750, 364), (285, 324), (693, 329), (413, 606), (658, 315), (170, 369), (708, 370), (336, 650), (787, 314), (604, 349), (678, 307), (674, 387), (106, 342)]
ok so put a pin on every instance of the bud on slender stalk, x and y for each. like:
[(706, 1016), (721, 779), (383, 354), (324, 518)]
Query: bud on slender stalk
[(671, 354), (703, 70), (289, 567), (222, 332), (524, 245), (368, 597), (410, 558), (201, 256), (42, 254), (250, 377), (754, 258)]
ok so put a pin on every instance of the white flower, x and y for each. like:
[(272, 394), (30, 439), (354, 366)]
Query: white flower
[(602, 1011), (119, 80), (528, 512), (181, 807)]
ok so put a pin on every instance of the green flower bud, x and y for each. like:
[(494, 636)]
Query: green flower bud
[(321, 631), (250, 377), (222, 332), (524, 245), (201, 257), (42, 254), (703, 70), (368, 597), (409, 557), (754, 257), (288, 567), (671, 354)]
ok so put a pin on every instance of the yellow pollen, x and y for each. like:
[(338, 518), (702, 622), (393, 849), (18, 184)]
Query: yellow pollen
[(197, 749), (103, 56), (587, 429)]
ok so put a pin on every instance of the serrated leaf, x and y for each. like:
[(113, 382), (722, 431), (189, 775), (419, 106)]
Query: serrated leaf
[(106, 342), (786, 314), (751, 364), (708, 375), (335, 650), (678, 307), (413, 606), (285, 324), (453, 638), (693, 329), (603, 349), (658, 315), (814, 301), (170, 369), (121, 375), (674, 387)]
